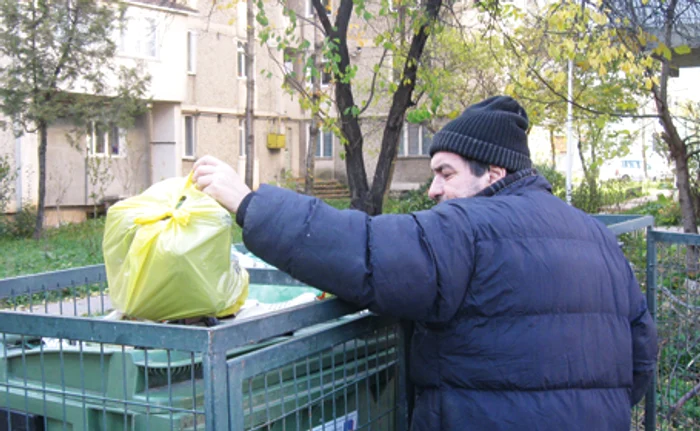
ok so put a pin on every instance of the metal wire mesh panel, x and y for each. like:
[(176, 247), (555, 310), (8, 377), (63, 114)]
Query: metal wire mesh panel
[(678, 323), (75, 293), (634, 247), (65, 366), (632, 234), (57, 384), (323, 381), (56, 373)]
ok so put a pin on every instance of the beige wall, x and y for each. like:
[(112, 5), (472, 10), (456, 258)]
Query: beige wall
[(66, 175), (27, 174), (216, 96), (215, 84), (67, 178), (7, 152), (218, 137), (168, 68), (73, 179)]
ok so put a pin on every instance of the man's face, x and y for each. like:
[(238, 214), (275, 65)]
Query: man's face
[(453, 178)]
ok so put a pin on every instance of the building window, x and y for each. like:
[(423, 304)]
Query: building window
[(242, 150), (324, 73), (415, 140), (139, 37), (190, 136), (326, 76), (241, 60), (288, 64), (191, 52), (107, 141), (324, 142)]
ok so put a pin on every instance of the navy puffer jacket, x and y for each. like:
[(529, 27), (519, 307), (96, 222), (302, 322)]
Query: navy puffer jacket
[(528, 316)]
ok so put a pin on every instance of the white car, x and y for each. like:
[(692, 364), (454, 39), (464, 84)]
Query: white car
[(633, 170)]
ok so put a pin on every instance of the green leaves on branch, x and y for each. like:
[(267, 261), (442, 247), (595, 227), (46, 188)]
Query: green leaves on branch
[(682, 50), (663, 51), (419, 115), (352, 110)]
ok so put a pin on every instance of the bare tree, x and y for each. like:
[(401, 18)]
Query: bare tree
[(250, 94), (660, 26)]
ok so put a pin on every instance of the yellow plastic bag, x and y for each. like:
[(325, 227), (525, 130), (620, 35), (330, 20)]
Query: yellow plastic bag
[(168, 255)]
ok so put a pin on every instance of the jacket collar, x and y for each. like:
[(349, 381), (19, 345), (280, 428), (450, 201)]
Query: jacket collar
[(515, 181)]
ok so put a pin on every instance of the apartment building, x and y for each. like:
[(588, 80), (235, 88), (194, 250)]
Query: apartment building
[(194, 51)]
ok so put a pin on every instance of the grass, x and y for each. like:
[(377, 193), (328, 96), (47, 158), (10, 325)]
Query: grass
[(60, 248), (68, 246)]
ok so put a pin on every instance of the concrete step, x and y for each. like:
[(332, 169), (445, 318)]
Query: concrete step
[(326, 189), (334, 196)]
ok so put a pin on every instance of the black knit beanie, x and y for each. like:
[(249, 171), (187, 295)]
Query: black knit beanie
[(493, 132)]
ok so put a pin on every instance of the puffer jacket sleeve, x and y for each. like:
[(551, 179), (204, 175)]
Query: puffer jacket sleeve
[(386, 263), (644, 341)]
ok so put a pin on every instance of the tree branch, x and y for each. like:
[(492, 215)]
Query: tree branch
[(681, 402), (675, 299), (550, 88), (66, 47), (692, 154), (374, 82), (322, 15)]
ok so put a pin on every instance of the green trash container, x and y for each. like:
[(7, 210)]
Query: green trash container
[(98, 387), (344, 388)]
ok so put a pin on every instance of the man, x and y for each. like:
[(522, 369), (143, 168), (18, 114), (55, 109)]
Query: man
[(528, 316)]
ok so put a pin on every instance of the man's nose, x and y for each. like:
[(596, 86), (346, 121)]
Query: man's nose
[(435, 190)]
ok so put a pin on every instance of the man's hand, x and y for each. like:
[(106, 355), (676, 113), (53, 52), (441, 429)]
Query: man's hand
[(220, 181)]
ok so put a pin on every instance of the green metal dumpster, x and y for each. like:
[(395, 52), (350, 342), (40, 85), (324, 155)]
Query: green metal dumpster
[(321, 366)]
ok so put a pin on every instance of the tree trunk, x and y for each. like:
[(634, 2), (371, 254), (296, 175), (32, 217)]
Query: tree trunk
[(645, 164), (590, 167), (594, 172), (679, 154), (362, 197), (401, 102), (553, 147), (310, 164), (587, 171), (250, 95), (347, 110), (676, 146), (696, 195), (310, 175), (41, 205), (678, 150)]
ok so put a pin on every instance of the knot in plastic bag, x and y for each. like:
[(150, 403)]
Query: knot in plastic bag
[(180, 216)]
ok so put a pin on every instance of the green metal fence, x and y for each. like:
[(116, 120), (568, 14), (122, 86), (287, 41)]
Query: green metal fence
[(676, 278), (323, 366), (667, 266), (632, 232)]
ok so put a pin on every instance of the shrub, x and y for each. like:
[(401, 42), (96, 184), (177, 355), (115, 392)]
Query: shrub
[(7, 178), (411, 201), (21, 225), (555, 178), (666, 211), (341, 204), (610, 193)]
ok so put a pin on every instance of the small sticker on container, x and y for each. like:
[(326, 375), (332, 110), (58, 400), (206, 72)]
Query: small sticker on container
[(346, 422)]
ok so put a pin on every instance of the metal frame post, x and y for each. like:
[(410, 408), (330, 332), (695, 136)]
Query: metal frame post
[(215, 374), (405, 387), (650, 398)]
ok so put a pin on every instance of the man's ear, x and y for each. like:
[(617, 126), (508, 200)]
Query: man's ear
[(496, 173)]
